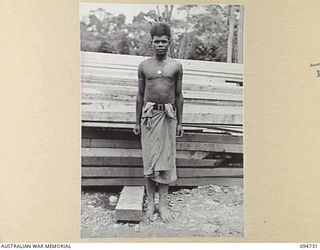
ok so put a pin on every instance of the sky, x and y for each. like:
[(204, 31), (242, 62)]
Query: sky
[(129, 10)]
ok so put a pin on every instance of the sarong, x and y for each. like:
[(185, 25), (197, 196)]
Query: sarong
[(158, 141)]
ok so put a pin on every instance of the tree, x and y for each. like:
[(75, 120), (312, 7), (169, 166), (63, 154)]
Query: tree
[(212, 32), (230, 34), (240, 36)]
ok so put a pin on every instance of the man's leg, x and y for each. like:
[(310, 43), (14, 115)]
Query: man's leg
[(151, 189), (163, 210)]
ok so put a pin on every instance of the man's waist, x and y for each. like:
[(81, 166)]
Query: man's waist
[(161, 106)]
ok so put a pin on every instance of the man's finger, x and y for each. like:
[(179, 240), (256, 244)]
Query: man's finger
[(181, 133)]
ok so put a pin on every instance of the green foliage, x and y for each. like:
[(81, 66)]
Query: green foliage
[(201, 35)]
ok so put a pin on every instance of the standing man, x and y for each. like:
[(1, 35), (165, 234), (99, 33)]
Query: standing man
[(159, 108)]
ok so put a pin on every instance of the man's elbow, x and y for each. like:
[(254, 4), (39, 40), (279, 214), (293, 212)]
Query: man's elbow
[(179, 97), (139, 99)]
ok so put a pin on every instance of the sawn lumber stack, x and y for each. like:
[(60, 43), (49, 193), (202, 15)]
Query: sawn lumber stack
[(210, 152)]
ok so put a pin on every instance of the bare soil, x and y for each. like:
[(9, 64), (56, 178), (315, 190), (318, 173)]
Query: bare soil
[(204, 211)]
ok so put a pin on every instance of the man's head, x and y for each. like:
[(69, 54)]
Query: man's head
[(160, 34), (159, 29)]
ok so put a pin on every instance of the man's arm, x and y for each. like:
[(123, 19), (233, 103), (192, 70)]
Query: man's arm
[(139, 99), (179, 100)]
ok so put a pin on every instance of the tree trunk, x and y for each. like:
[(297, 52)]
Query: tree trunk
[(230, 34), (183, 44), (171, 9), (159, 15), (240, 35), (168, 14)]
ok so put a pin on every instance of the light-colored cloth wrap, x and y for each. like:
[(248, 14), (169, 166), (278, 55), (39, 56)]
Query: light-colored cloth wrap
[(158, 141)]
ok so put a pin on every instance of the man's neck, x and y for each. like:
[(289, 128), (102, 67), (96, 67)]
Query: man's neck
[(160, 58)]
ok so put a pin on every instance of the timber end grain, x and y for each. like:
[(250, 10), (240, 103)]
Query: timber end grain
[(129, 207)]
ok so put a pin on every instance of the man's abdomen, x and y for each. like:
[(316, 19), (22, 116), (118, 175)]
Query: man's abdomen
[(160, 92)]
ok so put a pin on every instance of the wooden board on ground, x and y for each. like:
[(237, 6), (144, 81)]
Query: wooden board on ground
[(220, 181), (129, 207)]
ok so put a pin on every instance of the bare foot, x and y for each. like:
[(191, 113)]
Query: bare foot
[(150, 211), (164, 214)]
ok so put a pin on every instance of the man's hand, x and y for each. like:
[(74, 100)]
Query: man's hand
[(179, 130), (137, 129)]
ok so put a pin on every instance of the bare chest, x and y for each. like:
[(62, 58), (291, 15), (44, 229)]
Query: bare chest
[(167, 71)]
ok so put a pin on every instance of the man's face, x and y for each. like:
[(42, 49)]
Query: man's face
[(160, 44)]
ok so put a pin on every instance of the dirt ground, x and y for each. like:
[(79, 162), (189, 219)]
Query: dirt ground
[(205, 211)]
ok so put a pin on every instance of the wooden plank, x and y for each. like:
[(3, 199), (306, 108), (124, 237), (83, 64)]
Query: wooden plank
[(111, 161), (183, 146), (213, 172), (130, 72), (205, 86), (112, 106), (190, 82), (99, 113), (131, 62), (213, 138), (113, 100), (107, 143), (127, 134), (129, 207), (138, 172), (220, 181), (209, 147), (111, 172), (120, 152), (122, 117), (187, 128), (217, 72), (108, 97), (107, 133), (122, 106), (102, 90), (205, 100), (126, 126), (118, 70), (224, 128), (135, 161)]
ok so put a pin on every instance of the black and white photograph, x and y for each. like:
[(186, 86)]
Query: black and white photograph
[(161, 120)]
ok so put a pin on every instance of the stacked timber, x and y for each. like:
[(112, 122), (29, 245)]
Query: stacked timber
[(210, 152)]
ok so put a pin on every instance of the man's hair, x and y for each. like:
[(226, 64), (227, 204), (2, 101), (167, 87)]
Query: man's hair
[(160, 29)]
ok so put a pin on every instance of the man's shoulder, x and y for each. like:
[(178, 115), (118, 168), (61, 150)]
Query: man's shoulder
[(176, 63), (144, 62)]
